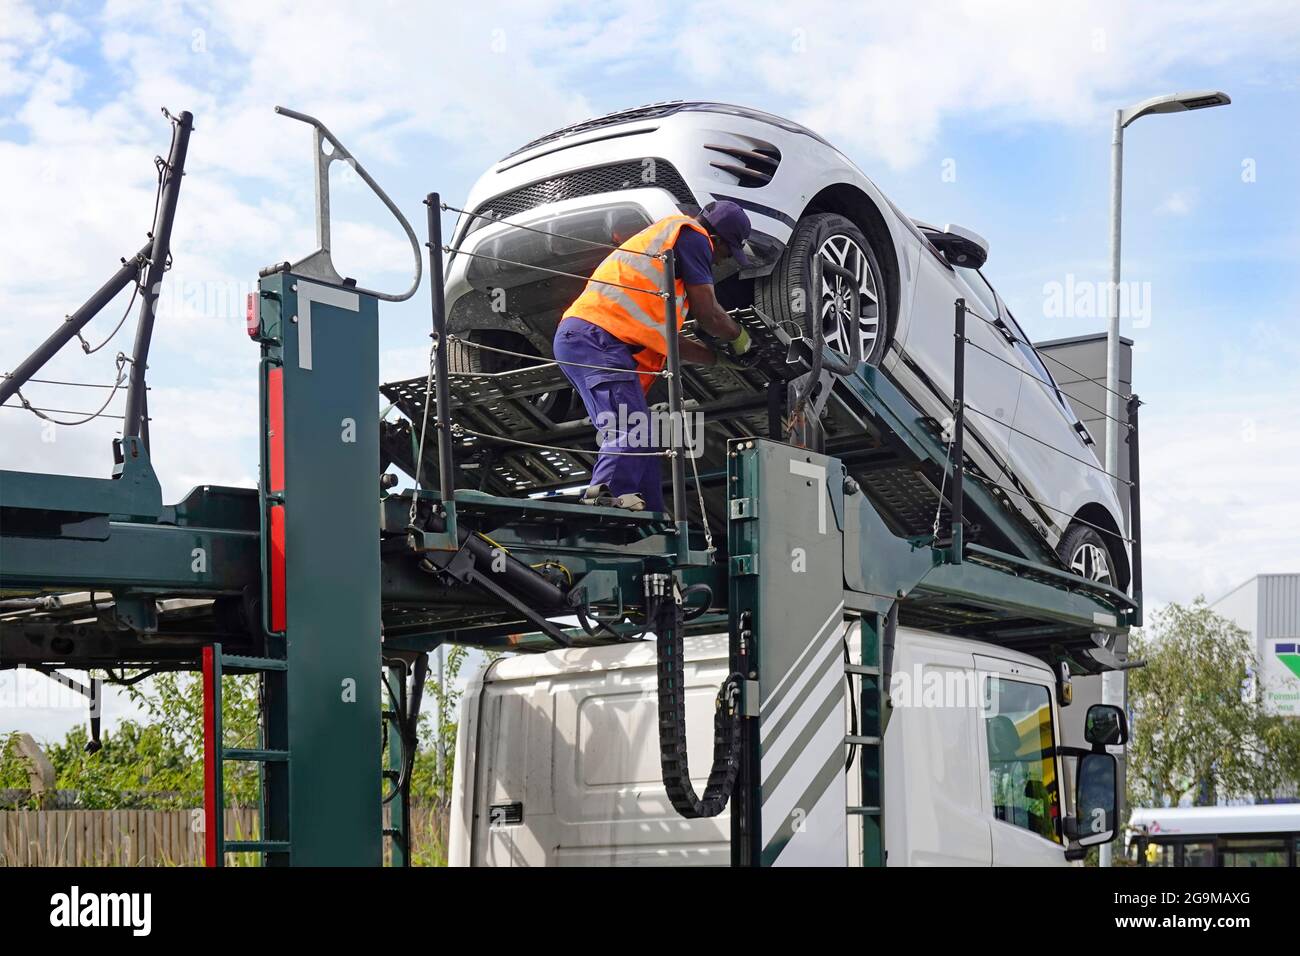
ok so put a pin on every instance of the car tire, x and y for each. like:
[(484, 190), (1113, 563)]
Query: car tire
[(463, 359), (782, 293), (1084, 551)]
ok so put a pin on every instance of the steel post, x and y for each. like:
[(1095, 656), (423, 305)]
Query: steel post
[(677, 419), (442, 381), (1113, 297), (1135, 506), (133, 421), (958, 425)]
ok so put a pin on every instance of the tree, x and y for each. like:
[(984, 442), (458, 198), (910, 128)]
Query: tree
[(438, 726), (158, 764), (1199, 728)]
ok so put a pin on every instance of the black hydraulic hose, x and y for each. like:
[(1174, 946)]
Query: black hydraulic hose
[(853, 705), (594, 633), (516, 575), (672, 724), (887, 646), (693, 613), (405, 725), (417, 698)]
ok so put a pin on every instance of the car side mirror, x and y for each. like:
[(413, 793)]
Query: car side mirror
[(1105, 725), (1096, 796), (961, 246)]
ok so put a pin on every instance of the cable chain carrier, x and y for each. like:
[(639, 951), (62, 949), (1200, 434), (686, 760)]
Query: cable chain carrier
[(663, 595)]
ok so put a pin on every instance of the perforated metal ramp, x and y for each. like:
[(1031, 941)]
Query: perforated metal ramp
[(517, 407), (896, 454)]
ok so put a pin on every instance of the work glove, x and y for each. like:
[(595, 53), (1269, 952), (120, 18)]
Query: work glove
[(740, 344)]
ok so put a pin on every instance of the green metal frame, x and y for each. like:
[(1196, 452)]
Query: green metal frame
[(808, 555), (323, 343)]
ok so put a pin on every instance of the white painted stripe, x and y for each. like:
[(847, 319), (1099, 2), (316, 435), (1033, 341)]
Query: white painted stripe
[(778, 807), (830, 646), (797, 666), (798, 725), (824, 839), (309, 293)]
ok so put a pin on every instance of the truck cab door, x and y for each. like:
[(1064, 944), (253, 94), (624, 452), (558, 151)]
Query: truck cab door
[(934, 815), (1018, 742)]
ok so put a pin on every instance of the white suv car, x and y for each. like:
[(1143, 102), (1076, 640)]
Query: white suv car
[(607, 178)]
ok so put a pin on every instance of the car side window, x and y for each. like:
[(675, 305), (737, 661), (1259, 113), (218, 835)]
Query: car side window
[(1037, 367), (982, 291), (1023, 784)]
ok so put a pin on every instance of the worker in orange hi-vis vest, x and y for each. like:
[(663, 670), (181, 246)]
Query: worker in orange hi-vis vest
[(618, 324)]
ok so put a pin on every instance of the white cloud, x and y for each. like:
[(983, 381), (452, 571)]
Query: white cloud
[(1175, 204), (1219, 474), (883, 78)]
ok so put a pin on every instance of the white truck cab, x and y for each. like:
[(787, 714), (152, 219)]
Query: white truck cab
[(557, 760)]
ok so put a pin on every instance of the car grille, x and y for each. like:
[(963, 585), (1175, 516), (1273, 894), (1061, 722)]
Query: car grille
[(630, 174)]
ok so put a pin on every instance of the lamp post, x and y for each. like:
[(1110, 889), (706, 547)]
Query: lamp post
[(1170, 103), (1113, 683)]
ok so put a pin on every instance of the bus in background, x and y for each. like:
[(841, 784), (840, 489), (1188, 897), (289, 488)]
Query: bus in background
[(1259, 835)]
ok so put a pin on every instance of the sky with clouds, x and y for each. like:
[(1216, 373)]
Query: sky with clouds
[(992, 115)]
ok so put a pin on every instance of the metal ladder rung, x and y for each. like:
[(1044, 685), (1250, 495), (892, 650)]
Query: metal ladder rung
[(865, 670), (255, 846), (864, 811), (254, 754), (855, 740), (254, 663)]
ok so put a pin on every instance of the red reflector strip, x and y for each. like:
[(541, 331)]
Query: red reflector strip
[(275, 483), (275, 428), (278, 604), (211, 754)]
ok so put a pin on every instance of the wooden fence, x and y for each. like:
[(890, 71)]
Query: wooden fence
[(111, 837), (158, 837)]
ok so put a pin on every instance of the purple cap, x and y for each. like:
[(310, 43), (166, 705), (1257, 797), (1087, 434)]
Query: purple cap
[(729, 221)]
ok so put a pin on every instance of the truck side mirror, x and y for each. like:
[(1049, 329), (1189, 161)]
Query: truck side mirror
[(1096, 796), (1105, 725)]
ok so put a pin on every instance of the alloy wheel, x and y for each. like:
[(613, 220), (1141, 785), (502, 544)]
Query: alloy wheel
[(837, 300), (1091, 562)]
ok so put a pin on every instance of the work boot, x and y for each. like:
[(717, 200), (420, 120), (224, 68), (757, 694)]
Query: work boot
[(601, 496), (598, 495)]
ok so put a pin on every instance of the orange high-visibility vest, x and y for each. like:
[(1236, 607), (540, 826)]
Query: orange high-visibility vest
[(624, 295)]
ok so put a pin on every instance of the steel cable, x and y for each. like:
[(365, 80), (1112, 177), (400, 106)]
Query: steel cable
[(549, 235), (662, 373), (1041, 504), (554, 272), (44, 414)]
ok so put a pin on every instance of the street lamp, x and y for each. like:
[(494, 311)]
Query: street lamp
[(1113, 683), (1170, 103)]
